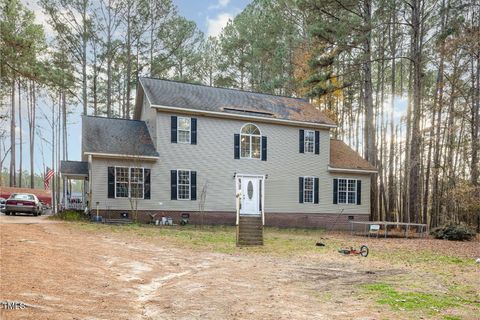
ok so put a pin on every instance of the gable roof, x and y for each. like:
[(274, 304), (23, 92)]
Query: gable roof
[(344, 157), (116, 136), (167, 93)]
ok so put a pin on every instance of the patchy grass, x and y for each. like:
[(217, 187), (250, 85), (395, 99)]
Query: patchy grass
[(414, 257), (428, 303), (408, 300), (441, 279), (221, 238)]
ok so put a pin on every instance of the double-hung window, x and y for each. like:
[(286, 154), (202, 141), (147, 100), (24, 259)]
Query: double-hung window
[(309, 141), (308, 189), (347, 191), (136, 182), (129, 182), (183, 184), (121, 182), (184, 129)]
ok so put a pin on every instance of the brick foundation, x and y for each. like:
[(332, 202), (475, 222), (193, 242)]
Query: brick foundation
[(287, 220)]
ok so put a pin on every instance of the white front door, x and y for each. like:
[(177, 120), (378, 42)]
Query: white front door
[(250, 194)]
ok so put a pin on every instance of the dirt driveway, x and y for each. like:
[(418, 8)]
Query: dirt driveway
[(61, 272)]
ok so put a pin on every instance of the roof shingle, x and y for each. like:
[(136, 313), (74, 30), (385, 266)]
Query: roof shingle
[(74, 167), (344, 157), (116, 136), (232, 101)]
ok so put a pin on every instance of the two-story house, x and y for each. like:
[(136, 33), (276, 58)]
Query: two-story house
[(195, 148)]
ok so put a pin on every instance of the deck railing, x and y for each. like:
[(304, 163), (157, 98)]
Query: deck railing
[(75, 204)]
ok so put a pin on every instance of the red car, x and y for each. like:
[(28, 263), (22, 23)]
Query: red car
[(23, 203)]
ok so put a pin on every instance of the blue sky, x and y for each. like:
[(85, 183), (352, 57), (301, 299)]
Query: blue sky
[(209, 15)]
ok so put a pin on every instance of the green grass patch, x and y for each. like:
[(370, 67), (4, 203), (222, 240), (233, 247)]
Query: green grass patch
[(450, 317), (423, 257), (69, 215), (222, 238), (416, 301)]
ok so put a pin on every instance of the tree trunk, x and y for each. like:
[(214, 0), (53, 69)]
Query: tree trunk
[(33, 101), (435, 207), (84, 57), (129, 62), (370, 132), (393, 48), (13, 177), (20, 133), (414, 172)]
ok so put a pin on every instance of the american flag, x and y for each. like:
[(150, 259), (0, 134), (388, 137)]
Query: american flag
[(48, 175)]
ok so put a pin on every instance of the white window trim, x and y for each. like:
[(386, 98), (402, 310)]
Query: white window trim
[(250, 144), (189, 185), (347, 192), (189, 131), (129, 182), (305, 141), (313, 189)]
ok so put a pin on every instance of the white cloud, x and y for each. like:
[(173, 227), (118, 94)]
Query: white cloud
[(40, 17), (220, 4), (215, 25)]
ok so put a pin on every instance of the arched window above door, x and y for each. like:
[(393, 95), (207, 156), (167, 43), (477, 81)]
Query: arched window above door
[(250, 141)]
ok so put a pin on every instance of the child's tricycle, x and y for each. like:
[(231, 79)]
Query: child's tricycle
[(363, 251)]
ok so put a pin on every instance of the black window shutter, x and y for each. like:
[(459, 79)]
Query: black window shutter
[(173, 130), (146, 184), (236, 146), (173, 184), (302, 141), (300, 190), (264, 148), (335, 191), (193, 133), (193, 185), (111, 182), (359, 191), (317, 142), (315, 196)]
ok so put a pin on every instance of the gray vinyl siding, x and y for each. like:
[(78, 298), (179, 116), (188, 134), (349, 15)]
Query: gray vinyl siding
[(149, 116), (99, 177), (213, 160)]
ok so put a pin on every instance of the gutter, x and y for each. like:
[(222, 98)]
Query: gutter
[(121, 156), (348, 170)]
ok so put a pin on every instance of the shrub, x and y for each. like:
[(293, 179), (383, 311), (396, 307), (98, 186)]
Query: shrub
[(452, 231), (71, 215)]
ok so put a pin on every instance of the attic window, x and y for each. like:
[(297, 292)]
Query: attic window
[(264, 113)]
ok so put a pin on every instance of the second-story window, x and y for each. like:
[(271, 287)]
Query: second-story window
[(250, 142), (184, 129), (309, 141)]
